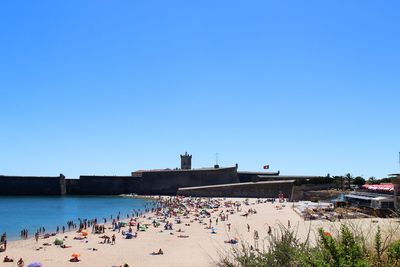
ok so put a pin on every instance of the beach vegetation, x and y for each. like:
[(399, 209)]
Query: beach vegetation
[(346, 247), (394, 253), (359, 181), (349, 179), (372, 180)]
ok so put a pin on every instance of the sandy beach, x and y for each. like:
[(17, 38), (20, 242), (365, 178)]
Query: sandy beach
[(199, 247)]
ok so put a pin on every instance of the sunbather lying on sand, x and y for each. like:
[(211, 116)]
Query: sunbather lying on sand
[(160, 252), (74, 259), (7, 259), (231, 241)]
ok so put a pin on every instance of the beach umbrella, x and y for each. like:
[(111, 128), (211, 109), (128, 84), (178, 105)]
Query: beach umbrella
[(84, 233), (75, 255), (35, 264)]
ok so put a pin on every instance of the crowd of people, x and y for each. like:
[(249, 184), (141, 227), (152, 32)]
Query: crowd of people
[(171, 214), (24, 234)]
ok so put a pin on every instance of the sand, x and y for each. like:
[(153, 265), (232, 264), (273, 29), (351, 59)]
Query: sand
[(201, 248)]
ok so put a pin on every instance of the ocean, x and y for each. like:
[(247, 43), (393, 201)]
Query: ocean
[(32, 212)]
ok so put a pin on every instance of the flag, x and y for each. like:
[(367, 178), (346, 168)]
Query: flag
[(266, 167)]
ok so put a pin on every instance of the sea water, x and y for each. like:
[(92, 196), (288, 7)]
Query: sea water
[(33, 212)]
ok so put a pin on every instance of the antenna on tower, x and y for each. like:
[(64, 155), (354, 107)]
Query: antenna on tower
[(216, 166)]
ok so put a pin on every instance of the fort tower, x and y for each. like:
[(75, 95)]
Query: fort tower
[(186, 161)]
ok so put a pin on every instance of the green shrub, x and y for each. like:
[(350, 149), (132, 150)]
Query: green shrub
[(394, 253), (344, 250), (284, 250)]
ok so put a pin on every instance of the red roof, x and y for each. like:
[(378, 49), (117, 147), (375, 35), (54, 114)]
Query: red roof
[(380, 187)]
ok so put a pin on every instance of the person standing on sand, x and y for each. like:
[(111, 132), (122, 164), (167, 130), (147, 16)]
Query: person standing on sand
[(248, 228), (3, 237), (113, 239), (4, 241), (256, 237), (20, 263)]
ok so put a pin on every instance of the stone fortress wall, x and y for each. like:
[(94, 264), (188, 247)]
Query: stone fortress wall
[(160, 182), (103, 185), (32, 185), (224, 181), (167, 182), (269, 189)]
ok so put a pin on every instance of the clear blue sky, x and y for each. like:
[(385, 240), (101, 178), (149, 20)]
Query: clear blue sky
[(108, 87)]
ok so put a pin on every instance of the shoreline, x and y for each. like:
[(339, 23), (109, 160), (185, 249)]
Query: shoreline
[(13, 234), (54, 234)]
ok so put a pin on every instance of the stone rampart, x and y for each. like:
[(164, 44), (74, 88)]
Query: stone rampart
[(164, 182), (270, 189), (32, 185), (167, 182), (73, 186), (103, 185), (248, 176)]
